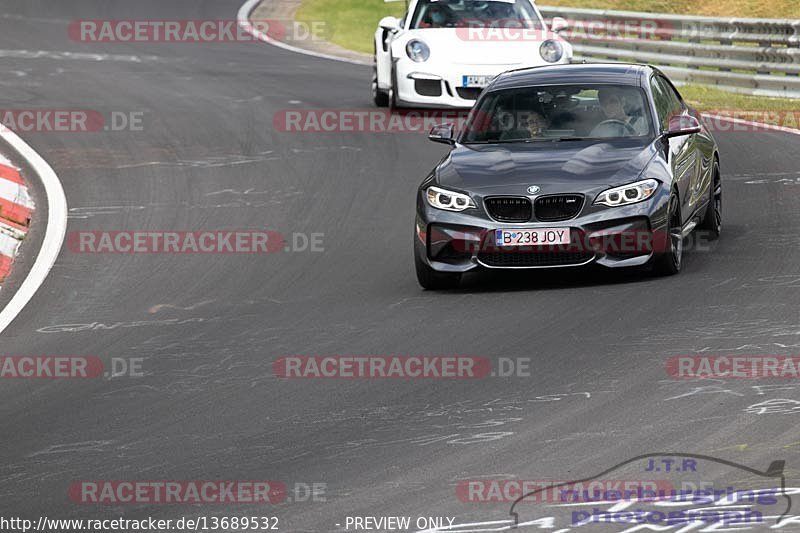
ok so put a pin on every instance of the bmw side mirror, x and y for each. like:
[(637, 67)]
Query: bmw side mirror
[(389, 23), (559, 24), (442, 133), (681, 125)]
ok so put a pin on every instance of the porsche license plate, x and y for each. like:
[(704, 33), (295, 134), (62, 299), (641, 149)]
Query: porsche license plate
[(476, 81)]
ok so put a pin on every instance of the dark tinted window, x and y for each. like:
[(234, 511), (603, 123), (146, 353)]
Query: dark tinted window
[(667, 101), (475, 14), (559, 112)]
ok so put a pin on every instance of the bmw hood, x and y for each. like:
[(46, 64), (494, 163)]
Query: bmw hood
[(555, 167)]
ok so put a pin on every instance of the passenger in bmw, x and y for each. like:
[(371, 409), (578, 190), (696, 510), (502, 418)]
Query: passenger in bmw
[(535, 123)]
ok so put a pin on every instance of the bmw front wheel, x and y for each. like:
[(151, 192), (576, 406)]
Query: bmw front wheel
[(670, 260)]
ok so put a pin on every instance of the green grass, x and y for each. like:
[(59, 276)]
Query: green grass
[(744, 106), (349, 23)]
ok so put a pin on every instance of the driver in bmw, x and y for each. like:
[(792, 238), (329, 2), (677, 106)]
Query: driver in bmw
[(613, 104)]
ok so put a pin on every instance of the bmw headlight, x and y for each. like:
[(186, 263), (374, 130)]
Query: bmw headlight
[(448, 200), (627, 194), (418, 51), (551, 51)]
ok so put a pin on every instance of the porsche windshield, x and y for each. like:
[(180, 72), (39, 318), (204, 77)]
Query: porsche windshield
[(475, 13), (563, 112)]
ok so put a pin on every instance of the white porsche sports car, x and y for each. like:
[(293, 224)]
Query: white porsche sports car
[(442, 53)]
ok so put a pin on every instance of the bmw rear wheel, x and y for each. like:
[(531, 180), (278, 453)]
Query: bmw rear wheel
[(712, 222)]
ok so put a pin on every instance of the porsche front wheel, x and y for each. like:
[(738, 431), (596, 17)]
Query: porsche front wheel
[(379, 96)]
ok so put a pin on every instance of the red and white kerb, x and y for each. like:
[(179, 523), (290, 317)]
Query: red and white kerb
[(16, 208)]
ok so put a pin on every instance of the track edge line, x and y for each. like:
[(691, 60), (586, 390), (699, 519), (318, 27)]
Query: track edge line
[(763, 125), (243, 18)]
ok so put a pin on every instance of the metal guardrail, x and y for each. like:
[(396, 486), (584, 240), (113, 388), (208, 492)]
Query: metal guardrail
[(752, 56)]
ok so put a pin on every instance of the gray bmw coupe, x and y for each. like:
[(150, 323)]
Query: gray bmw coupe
[(565, 166)]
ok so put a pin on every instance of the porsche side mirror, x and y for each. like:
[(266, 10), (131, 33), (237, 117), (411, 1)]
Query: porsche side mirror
[(681, 125), (442, 133), (389, 23), (559, 24)]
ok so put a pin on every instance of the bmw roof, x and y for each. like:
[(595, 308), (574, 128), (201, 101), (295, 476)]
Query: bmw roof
[(612, 73)]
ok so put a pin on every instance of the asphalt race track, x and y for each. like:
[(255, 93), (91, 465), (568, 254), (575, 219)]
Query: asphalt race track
[(208, 327)]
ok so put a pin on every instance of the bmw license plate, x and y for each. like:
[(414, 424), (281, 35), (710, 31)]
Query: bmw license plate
[(532, 237), (476, 81)]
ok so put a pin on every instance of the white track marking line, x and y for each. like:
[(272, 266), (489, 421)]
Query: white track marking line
[(244, 22), (54, 234)]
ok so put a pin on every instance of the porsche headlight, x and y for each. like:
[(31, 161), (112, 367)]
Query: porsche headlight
[(448, 200), (627, 194), (418, 51), (551, 51)]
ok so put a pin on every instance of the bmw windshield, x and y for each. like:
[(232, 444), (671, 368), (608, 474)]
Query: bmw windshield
[(559, 113), (475, 13)]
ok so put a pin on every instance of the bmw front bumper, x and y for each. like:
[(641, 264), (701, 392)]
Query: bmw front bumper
[(617, 237)]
